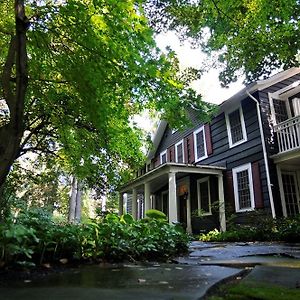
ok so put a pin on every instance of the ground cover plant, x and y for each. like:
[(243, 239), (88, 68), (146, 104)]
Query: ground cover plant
[(284, 229), (34, 238), (248, 291)]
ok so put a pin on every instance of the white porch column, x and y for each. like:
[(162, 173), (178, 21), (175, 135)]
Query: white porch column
[(188, 213), (173, 214), (222, 217), (134, 204), (121, 204), (279, 177), (147, 196)]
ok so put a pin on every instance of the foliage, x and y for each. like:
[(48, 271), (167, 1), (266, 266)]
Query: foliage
[(254, 36), (33, 237), (92, 66), (285, 229), (255, 290), (156, 214)]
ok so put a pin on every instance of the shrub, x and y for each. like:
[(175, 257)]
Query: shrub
[(285, 229), (35, 238), (156, 214)]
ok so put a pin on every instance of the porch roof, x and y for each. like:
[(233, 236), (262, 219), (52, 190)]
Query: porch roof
[(163, 170)]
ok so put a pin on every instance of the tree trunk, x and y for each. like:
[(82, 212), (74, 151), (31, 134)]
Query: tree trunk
[(78, 204), (72, 202), (14, 94)]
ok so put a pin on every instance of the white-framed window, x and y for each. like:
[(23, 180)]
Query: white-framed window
[(179, 152), (235, 127), (243, 188), (204, 198), (200, 144), (163, 157)]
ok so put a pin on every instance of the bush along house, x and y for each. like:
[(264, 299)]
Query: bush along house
[(245, 162)]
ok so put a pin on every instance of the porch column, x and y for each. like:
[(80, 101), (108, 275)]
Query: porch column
[(188, 213), (173, 215), (134, 204), (222, 217), (147, 196), (121, 204), (281, 191)]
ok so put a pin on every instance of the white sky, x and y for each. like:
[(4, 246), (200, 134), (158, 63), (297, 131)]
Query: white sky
[(208, 86)]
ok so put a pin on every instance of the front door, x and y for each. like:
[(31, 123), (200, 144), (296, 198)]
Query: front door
[(291, 193)]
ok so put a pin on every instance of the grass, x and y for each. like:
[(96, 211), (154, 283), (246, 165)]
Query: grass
[(247, 291)]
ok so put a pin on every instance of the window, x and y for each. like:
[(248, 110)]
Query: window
[(200, 144), (163, 157), (291, 196), (204, 201), (179, 154), (243, 188), (236, 127)]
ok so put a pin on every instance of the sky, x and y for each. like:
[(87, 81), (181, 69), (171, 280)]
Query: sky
[(208, 86)]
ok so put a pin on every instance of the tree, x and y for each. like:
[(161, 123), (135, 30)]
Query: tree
[(92, 65), (253, 37)]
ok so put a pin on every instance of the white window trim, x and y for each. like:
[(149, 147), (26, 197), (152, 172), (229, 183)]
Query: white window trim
[(231, 145), (235, 187), (209, 196), (195, 144), (176, 157), (161, 155)]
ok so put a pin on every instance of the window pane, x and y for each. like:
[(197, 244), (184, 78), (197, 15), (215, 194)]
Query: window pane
[(290, 194), (164, 158), (204, 196), (179, 150), (280, 110), (235, 126), (244, 189), (200, 144)]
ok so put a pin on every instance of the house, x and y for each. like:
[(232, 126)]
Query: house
[(245, 162)]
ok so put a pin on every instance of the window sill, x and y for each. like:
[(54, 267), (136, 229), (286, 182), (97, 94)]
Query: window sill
[(237, 143)]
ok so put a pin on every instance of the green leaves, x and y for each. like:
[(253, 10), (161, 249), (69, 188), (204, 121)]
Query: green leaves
[(253, 37), (35, 238)]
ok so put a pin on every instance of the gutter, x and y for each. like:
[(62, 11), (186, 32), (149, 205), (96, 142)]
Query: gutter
[(264, 153)]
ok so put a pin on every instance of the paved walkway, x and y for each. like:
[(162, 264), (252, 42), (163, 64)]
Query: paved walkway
[(189, 278)]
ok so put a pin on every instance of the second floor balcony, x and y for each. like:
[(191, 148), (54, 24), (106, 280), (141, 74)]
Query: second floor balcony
[(288, 134)]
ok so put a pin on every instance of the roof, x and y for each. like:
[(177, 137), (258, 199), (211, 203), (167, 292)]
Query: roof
[(232, 101)]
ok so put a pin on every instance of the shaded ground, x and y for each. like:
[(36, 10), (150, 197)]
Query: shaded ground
[(190, 277)]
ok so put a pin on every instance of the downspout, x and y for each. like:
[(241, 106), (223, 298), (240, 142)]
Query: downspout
[(264, 153)]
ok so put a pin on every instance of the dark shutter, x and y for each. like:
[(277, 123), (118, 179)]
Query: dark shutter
[(171, 154), (209, 147), (229, 190), (156, 161), (258, 198), (189, 155)]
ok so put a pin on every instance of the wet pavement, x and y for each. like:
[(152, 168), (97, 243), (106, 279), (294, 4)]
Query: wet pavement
[(188, 277)]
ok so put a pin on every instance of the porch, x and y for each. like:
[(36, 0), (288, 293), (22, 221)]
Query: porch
[(171, 181)]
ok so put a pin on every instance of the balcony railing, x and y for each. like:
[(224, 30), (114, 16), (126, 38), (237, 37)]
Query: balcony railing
[(288, 134)]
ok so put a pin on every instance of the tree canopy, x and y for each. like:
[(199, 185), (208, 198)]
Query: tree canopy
[(253, 37), (78, 72)]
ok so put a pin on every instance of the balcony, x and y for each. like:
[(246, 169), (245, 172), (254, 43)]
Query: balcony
[(288, 134)]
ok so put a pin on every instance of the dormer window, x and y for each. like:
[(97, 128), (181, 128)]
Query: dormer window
[(236, 127), (179, 154), (163, 157)]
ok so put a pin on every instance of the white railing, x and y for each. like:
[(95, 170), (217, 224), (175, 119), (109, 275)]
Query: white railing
[(288, 134)]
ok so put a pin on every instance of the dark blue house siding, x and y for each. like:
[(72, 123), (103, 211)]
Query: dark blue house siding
[(222, 155), (270, 137)]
